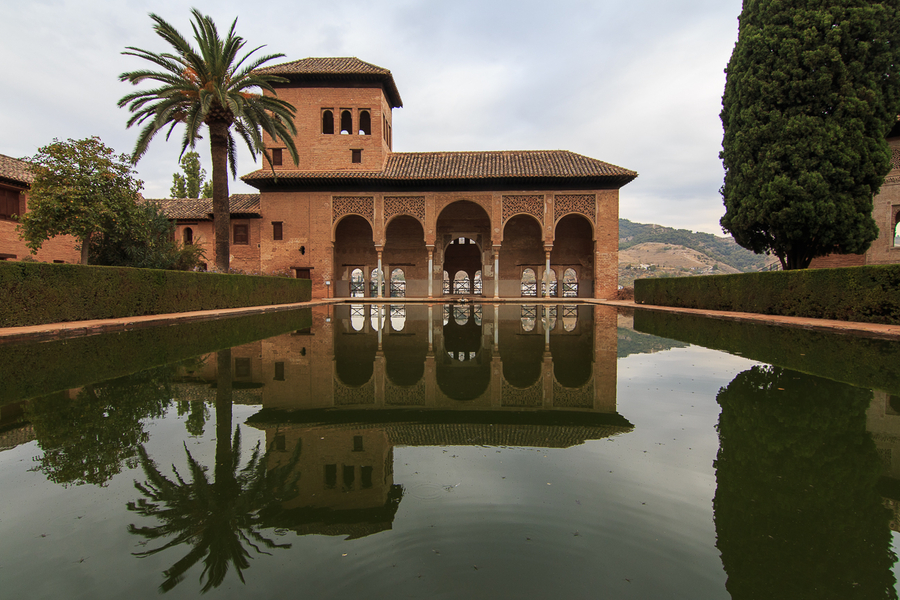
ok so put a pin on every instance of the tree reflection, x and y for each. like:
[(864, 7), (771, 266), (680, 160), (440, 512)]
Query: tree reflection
[(796, 509), (220, 519), (88, 438)]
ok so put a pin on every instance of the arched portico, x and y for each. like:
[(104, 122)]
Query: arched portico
[(463, 229), (354, 250)]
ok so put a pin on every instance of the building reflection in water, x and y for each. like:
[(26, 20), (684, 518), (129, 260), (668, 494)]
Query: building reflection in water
[(366, 378)]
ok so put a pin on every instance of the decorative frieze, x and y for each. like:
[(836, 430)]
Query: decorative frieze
[(585, 204), (413, 206), (582, 397), (529, 205), (363, 206)]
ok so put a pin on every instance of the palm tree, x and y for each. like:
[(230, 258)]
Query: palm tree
[(210, 86)]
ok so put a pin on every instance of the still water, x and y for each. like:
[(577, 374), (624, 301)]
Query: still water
[(410, 451)]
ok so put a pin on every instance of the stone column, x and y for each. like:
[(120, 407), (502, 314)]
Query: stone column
[(546, 291), (430, 325), (496, 272), (430, 275), (380, 279)]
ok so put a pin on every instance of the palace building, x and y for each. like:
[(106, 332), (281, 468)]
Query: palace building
[(361, 220)]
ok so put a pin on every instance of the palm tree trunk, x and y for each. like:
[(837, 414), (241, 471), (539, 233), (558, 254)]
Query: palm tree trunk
[(218, 142), (85, 249), (224, 456)]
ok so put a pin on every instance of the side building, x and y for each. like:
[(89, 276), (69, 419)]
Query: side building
[(15, 181), (361, 220)]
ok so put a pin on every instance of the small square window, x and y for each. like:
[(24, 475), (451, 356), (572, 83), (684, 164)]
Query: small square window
[(356, 156), (242, 367), (276, 157), (277, 231), (279, 371), (241, 235)]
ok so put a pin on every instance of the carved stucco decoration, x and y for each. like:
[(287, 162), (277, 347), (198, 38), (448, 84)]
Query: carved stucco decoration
[(585, 204), (413, 206), (348, 396), (529, 205), (895, 158), (582, 397), (532, 396), (363, 206)]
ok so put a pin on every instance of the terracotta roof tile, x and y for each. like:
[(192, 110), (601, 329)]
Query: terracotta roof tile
[(469, 166), (15, 170), (332, 68), (201, 208)]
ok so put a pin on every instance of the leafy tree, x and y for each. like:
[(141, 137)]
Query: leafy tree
[(144, 239), (80, 188), (811, 93), (190, 182), (210, 86)]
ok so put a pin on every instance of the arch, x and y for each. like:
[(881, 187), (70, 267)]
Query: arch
[(461, 283), (521, 256), (354, 354), (187, 236), (373, 283), (405, 247), (365, 123), (405, 354), (570, 317), (398, 317), (477, 284), (357, 316), (552, 282), (354, 248), (572, 352), (377, 314), (346, 122), (573, 254), (520, 216), (463, 371), (462, 257), (468, 220), (521, 347)]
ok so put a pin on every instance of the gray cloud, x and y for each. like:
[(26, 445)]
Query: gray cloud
[(636, 84)]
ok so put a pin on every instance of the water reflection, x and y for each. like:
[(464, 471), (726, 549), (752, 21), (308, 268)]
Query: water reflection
[(796, 508)]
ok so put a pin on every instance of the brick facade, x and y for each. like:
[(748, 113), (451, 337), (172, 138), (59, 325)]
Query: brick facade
[(15, 180), (350, 203)]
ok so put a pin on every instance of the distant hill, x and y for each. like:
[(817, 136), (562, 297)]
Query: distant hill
[(720, 249)]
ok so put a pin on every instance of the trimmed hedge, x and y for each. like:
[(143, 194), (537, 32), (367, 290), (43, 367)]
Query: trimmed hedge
[(868, 294), (38, 293), (859, 361), (40, 368)]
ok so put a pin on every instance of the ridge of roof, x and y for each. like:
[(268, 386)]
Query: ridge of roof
[(15, 169), (201, 208), (338, 67), (467, 166)]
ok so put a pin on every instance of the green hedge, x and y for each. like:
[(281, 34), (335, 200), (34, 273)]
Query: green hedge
[(37, 293), (35, 369), (869, 294), (859, 361)]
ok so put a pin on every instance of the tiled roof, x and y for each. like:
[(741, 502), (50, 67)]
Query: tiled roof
[(15, 170), (201, 208), (471, 166), (336, 68)]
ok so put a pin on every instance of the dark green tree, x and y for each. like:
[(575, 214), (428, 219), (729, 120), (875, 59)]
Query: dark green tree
[(190, 183), (813, 88), (80, 188), (209, 86)]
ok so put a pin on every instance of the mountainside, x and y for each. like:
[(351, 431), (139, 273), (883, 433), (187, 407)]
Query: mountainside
[(721, 249), (648, 250)]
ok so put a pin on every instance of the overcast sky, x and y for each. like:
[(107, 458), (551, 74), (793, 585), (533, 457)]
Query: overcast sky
[(637, 84)]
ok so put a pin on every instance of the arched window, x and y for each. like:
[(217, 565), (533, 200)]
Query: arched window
[(357, 316), (478, 285), (365, 123), (327, 122), (398, 317), (570, 317), (398, 284), (551, 281), (897, 229), (461, 283), (549, 318), (357, 284), (188, 236), (570, 284), (446, 287), (529, 283), (529, 315), (374, 283), (461, 314), (377, 316), (346, 122)]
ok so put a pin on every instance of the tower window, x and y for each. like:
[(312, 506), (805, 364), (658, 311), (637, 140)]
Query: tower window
[(277, 230), (346, 122), (356, 156), (365, 123), (276, 157), (327, 122)]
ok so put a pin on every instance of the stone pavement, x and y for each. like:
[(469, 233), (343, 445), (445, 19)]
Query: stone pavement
[(81, 328)]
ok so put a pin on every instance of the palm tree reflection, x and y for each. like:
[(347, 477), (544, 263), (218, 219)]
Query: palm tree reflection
[(220, 519)]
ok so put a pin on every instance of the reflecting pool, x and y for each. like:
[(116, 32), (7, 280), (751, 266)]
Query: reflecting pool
[(407, 451)]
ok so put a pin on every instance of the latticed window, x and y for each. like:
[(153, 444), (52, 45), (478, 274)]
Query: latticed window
[(9, 203)]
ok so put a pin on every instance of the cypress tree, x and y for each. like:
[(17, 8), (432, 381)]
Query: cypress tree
[(812, 90)]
